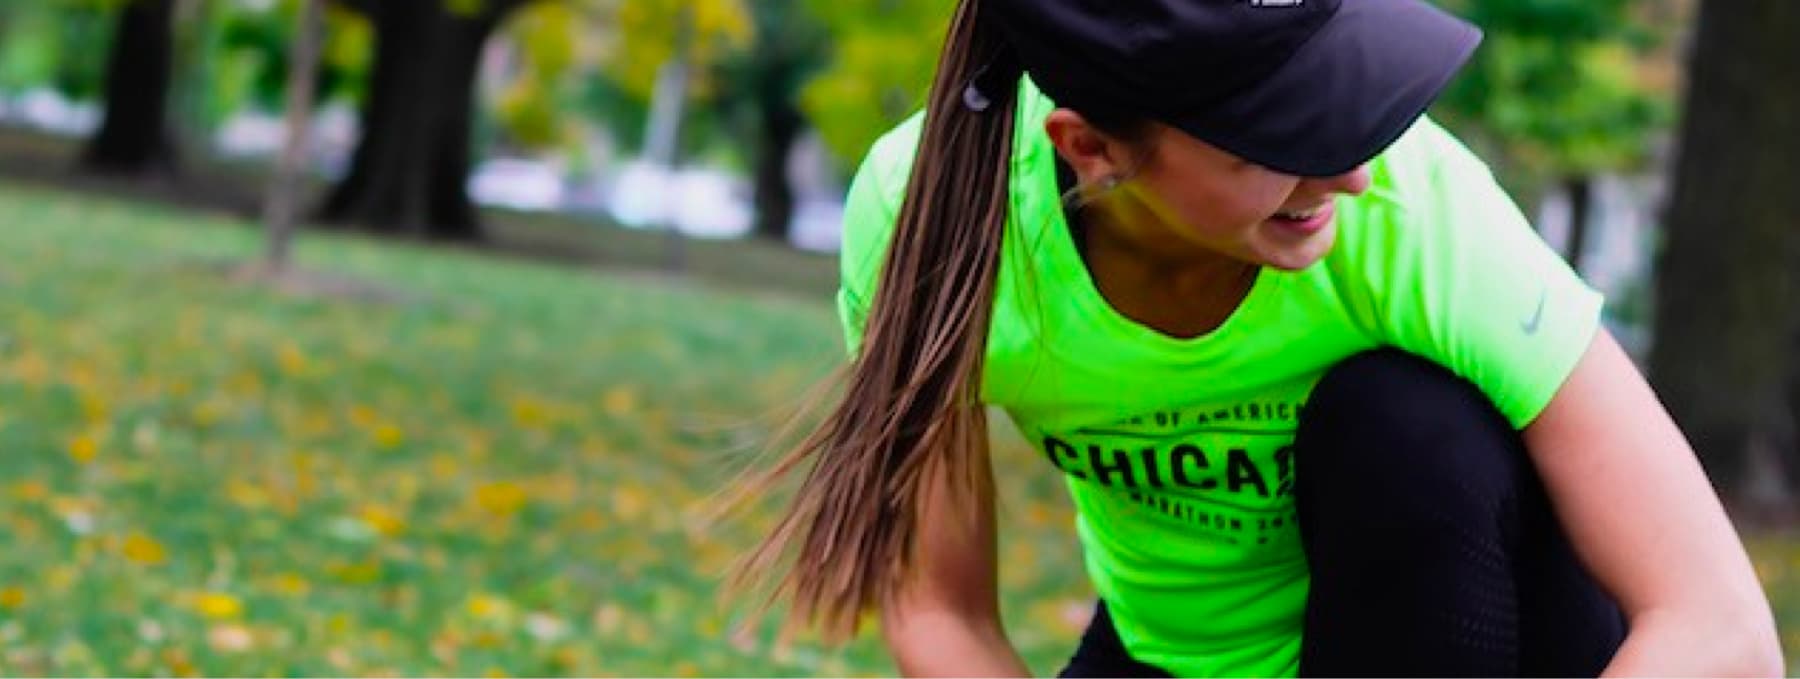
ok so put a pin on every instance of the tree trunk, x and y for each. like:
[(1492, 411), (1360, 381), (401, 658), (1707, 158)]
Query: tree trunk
[(780, 125), (303, 65), (1726, 316), (1581, 214), (134, 136), (410, 169)]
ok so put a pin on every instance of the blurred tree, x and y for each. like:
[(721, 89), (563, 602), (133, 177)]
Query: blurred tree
[(532, 108), (1556, 95), (669, 48), (648, 35), (42, 45), (410, 170), (1724, 357), (284, 188), (760, 87), (134, 136), (882, 58)]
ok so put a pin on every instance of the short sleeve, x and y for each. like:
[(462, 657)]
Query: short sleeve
[(871, 209), (1466, 282)]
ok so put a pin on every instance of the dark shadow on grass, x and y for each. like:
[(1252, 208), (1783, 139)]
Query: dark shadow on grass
[(233, 189)]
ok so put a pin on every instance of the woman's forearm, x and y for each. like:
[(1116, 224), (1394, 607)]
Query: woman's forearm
[(1684, 643), (945, 644)]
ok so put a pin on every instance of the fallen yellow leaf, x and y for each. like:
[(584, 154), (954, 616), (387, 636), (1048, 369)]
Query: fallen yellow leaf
[(629, 502), (83, 448), (619, 401), (503, 498), (218, 605), (488, 606), (143, 549), (383, 520), (30, 491), (389, 436)]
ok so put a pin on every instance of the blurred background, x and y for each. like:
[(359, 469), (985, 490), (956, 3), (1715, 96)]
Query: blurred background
[(400, 337)]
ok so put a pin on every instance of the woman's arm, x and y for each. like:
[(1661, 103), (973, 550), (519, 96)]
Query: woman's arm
[(946, 623), (1643, 517)]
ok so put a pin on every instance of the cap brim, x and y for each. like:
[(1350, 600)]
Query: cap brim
[(1345, 95)]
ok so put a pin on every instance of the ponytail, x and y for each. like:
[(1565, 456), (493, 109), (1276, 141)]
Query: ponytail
[(911, 418)]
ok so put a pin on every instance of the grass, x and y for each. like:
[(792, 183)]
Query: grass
[(491, 467), (476, 466)]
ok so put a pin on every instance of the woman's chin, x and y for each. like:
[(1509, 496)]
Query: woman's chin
[(1288, 254)]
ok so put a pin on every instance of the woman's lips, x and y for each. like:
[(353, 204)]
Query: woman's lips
[(1305, 227)]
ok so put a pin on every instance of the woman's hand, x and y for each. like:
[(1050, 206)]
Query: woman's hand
[(1640, 512)]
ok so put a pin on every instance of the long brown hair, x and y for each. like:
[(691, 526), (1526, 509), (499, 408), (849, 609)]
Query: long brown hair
[(911, 417)]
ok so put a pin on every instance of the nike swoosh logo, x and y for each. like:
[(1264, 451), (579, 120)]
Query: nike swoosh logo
[(1530, 325)]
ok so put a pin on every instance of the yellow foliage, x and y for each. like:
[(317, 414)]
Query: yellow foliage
[(531, 114), (388, 436), (362, 415), (208, 412), (500, 498), (217, 605), (94, 408), (484, 606), (619, 401), (530, 414), (11, 597), (290, 584), (550, 39), (650, 28), (83, 448), (550, 34), (359, 573), (291, 360), (30, 491), (383, 520), (465, 7), (629, 501), (445, 467), (176, 659), (884, 61), (31, 369), (246, 495), (143, 549), (349, 39)]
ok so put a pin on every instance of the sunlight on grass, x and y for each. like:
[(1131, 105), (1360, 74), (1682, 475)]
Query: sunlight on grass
[(496, 469)]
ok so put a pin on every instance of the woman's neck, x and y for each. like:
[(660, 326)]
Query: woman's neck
[(1175, 289)]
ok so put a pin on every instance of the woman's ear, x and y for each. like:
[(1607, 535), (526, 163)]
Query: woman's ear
[(1094, 155)]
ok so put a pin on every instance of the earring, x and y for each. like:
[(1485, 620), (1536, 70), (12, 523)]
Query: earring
[(1082, 195)]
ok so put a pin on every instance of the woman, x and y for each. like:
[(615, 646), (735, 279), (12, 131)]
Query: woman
[(1325, 404)]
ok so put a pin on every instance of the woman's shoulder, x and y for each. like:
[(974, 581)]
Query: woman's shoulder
[(1424, 166), (873, 202), (1420, 191), (1414, 186)]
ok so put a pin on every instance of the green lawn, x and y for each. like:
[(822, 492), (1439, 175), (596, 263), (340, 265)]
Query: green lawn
[(488, 467)]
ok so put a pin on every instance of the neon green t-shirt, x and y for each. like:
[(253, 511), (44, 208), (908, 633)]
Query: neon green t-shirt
[(1178, 452)]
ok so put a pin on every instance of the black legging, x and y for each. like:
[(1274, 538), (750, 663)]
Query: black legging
[(1432, 547)]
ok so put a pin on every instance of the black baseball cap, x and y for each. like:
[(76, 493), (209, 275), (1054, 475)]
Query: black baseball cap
[(1305, 87)]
